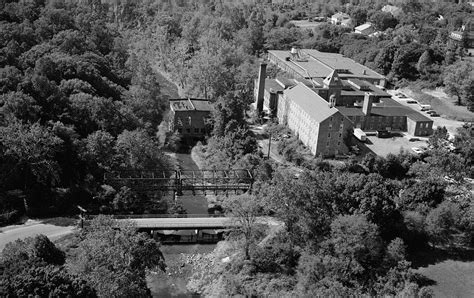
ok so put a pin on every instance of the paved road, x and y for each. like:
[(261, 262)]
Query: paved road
[(194, 222), (29, 229)]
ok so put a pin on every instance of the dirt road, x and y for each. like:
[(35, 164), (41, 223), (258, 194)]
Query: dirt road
[(29, 229)]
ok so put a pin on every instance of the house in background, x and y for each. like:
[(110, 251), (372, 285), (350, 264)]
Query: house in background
[(394, 10), (464, 37), (342, 19), (189, 116), (365, 29)]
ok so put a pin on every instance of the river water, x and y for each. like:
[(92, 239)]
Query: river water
[(172, 283)]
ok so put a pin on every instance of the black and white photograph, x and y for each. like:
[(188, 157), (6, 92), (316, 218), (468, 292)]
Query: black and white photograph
[(237, 148)]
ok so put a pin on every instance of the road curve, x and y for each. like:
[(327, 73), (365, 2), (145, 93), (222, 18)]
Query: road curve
[(29, 229)]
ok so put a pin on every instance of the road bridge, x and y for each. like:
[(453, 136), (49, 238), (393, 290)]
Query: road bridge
[(191, 223)]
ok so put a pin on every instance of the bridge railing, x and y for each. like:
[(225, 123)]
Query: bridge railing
[(134, 216)]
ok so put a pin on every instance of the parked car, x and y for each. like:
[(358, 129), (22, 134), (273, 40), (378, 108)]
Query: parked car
[(413, 139), (417, 150), (434, 114), (431, 112), (412, 101), (383, 134)]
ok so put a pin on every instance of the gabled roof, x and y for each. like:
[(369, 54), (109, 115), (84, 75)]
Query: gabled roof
[(333, 79), (363, 27), (313, 104)]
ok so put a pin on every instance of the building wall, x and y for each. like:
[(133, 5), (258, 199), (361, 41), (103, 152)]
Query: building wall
[(419, 128), (282, 110), (332, 132), (324, 138), (189, 123), (373, 123)]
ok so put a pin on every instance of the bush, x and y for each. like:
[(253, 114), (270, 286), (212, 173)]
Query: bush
[(9, 217)]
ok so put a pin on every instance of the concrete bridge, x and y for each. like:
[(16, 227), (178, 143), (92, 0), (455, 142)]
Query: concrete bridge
[(186, 223)]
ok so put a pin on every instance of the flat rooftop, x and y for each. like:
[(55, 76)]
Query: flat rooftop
[(190, 104), (318, 64)]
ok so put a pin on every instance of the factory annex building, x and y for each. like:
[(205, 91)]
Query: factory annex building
[(328, 96), (188, 116)]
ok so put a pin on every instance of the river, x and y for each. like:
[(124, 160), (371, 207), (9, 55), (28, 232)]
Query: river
[(172, 283)]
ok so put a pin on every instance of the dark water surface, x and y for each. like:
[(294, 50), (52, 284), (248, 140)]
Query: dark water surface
[(173, 282)]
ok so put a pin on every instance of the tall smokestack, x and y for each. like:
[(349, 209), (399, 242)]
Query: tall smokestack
[(367, 106), (262, 74)]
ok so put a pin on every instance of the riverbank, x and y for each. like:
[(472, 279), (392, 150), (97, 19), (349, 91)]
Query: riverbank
[(181, 261)]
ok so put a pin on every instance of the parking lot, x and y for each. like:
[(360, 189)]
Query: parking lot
[(451, 125), (393, 145)]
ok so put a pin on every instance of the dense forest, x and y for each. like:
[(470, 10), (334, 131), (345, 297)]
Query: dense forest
[(80, 97)]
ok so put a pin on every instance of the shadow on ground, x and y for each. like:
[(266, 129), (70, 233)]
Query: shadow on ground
[(436, 255)]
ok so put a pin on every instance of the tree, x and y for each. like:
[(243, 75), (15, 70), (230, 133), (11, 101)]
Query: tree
[(30, 151), (459, 81), (442, 222), (113, 258), (244, 210), (33, 266), (439, 137), (383, 20), (137, 150), (423, 195)]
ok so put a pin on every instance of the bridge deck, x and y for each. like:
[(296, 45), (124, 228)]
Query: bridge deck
[(182, 223)]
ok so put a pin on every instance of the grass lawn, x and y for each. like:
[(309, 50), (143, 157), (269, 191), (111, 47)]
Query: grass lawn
[(452, 278), (441, 103)]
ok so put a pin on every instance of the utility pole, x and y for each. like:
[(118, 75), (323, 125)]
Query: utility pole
[(269, 145)]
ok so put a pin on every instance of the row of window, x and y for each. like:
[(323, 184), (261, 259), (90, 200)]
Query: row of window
[(196, 130)]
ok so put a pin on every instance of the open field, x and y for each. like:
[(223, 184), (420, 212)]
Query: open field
[(452, 278), (442, 103)]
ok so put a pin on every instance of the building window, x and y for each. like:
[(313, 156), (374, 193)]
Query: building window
[(180, 130), (330, 125), (179, 122), (329, 134), (330, 119), (202, 130), (340, 134), (196, 130), (338, 144), (327, 144), (189, 120), (188, 130), (341, 126)]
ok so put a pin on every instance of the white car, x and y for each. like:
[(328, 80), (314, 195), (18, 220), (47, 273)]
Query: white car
[(417, 150)]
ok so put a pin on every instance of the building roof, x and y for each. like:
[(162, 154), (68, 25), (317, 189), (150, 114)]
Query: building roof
[(363, 27), (332, 79), (320, 65), (201, 104), (190, 104), (386, 111), (313, 104), (340, 15), (272, 86)]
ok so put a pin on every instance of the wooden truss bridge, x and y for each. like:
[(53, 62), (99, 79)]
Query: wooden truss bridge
[(178, 181)]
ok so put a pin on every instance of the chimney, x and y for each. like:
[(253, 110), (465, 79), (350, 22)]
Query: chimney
[(261, 86), (367, 106)]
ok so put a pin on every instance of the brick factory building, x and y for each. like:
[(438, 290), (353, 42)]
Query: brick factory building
[(318, 92), (189, 117)]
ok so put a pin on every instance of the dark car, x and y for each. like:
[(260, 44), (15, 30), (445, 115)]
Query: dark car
[(383, 134), (434, 114)]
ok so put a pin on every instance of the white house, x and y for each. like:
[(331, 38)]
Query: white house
[(342, 19)]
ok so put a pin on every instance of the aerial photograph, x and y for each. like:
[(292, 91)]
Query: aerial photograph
[(237, 148)]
